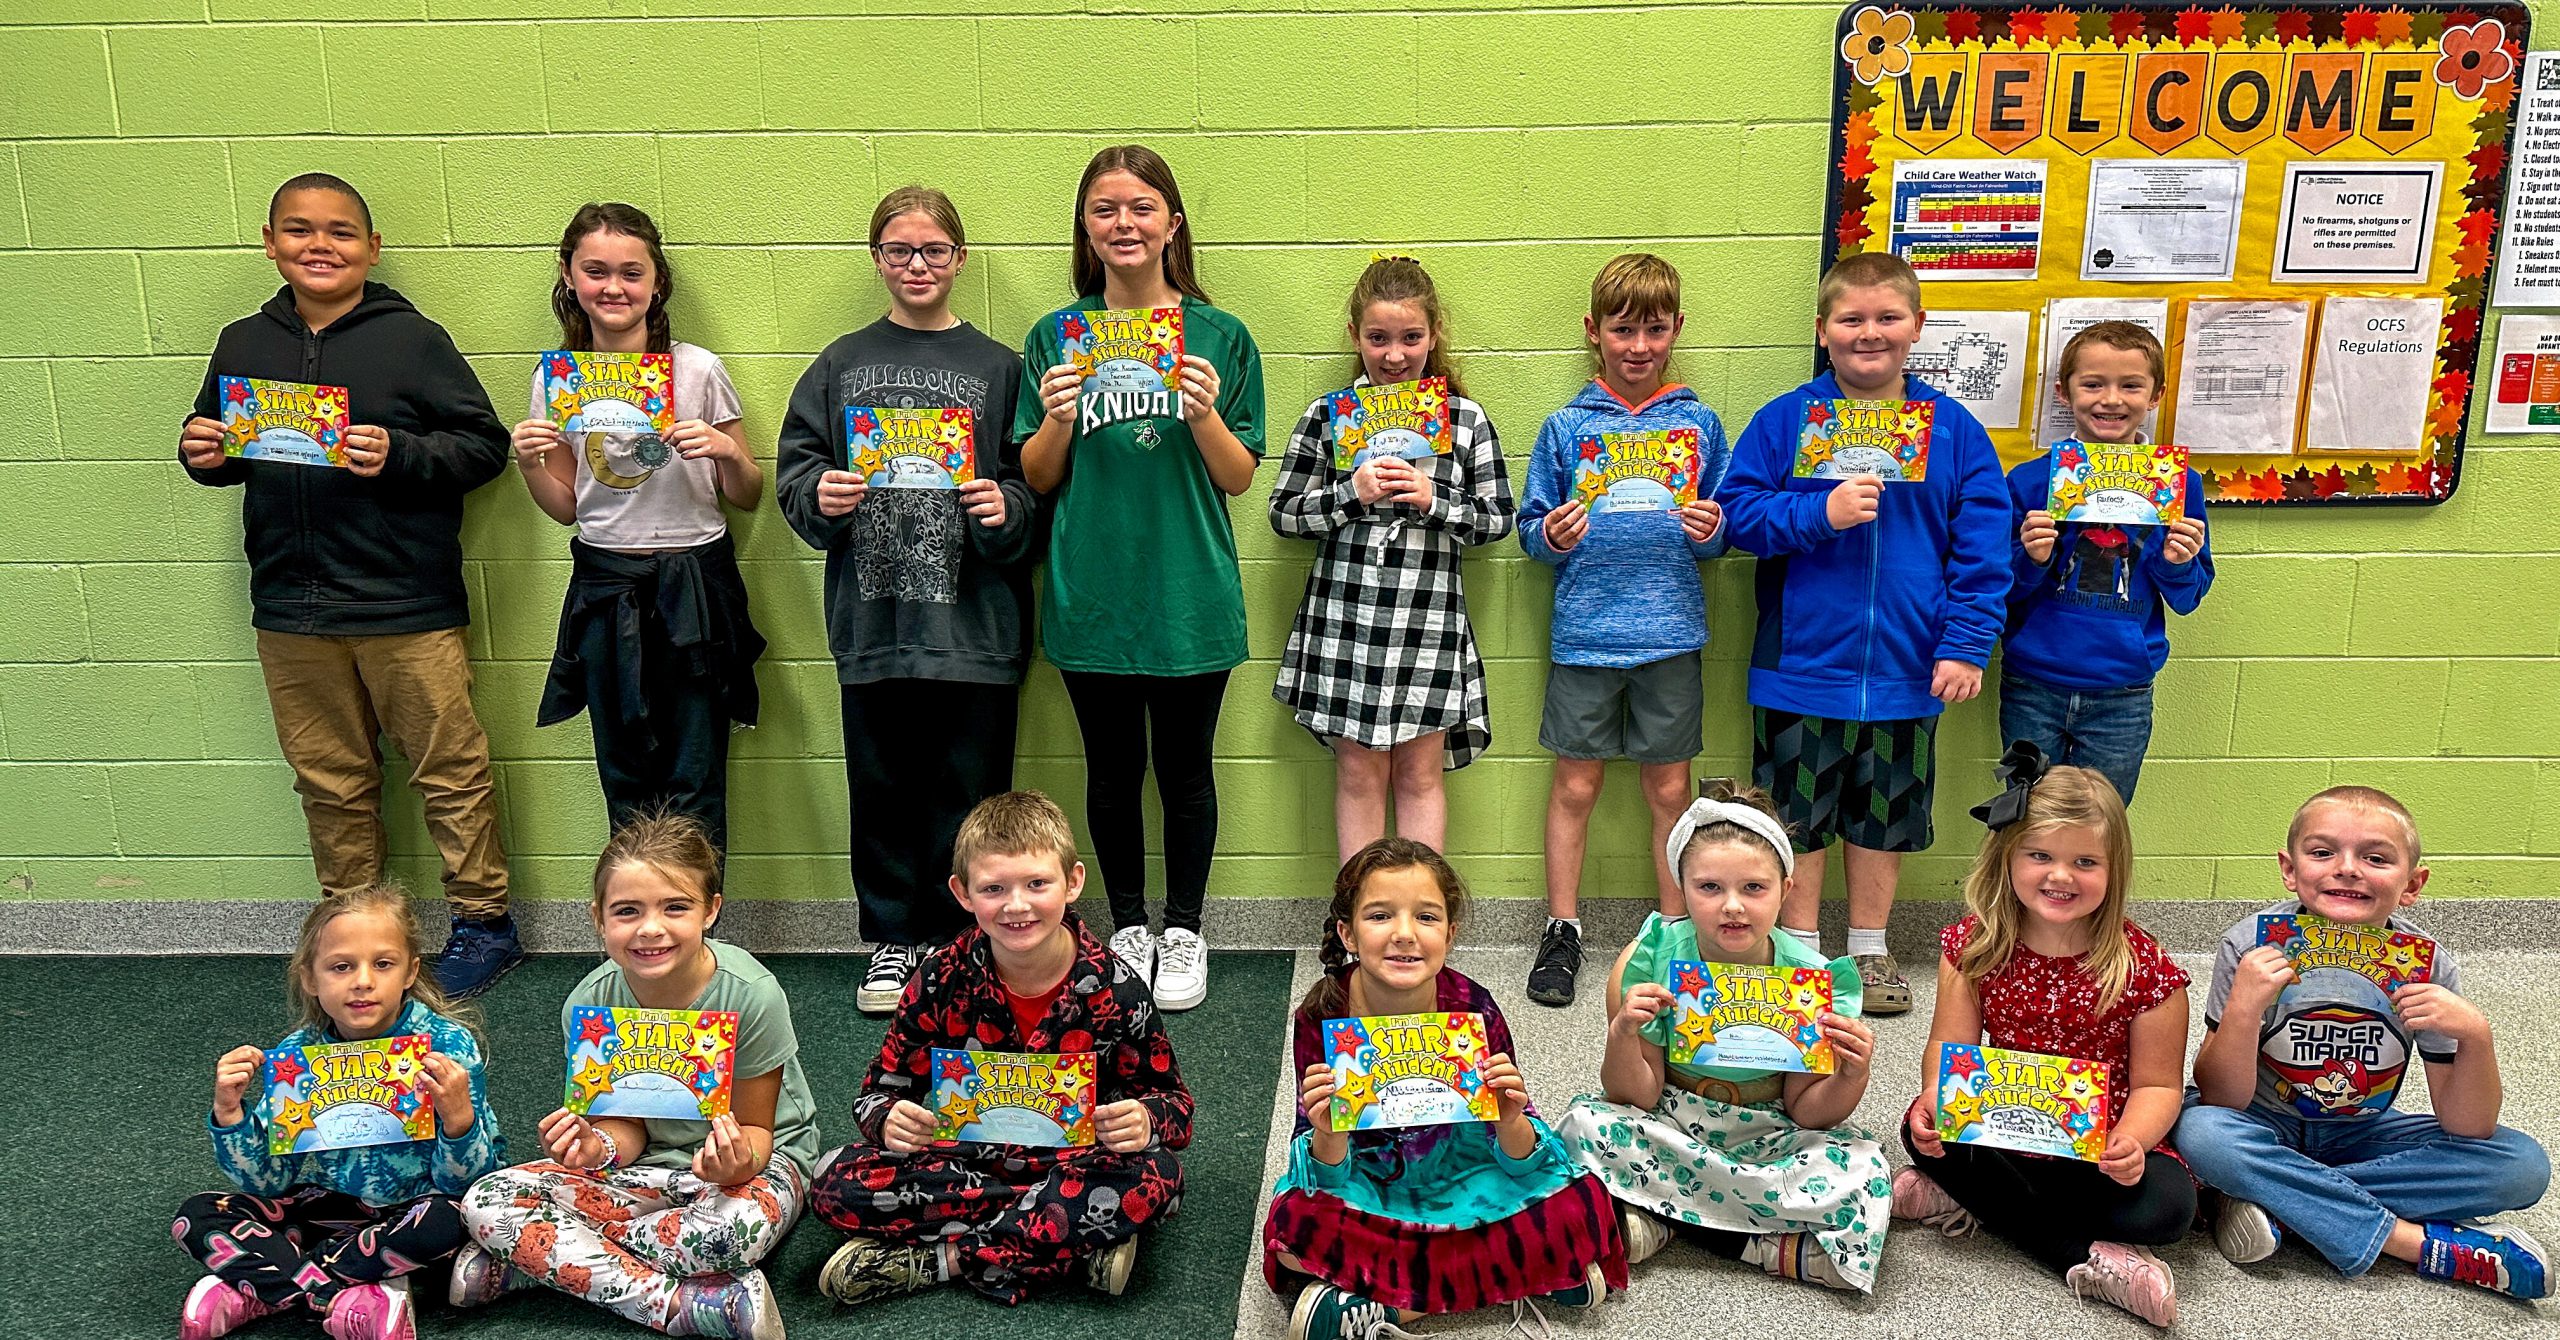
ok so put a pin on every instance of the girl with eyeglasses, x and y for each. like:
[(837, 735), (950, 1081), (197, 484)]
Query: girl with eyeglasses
[(928, 598)]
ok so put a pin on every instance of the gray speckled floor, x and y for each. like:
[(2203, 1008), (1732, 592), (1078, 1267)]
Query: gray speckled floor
[(1935, 1287)]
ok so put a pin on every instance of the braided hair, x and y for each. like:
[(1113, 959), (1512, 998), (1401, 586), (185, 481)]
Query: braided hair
[(1331, 993)]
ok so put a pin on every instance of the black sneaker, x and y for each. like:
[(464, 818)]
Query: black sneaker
[(476, 955), (1559, 962)]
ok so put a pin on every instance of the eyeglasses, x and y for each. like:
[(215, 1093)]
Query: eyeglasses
[(937, 255)]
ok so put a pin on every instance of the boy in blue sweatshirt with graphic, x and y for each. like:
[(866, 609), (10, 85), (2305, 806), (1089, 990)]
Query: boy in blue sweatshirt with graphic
[(2087, 628), (1630, 620), (1879, 605)]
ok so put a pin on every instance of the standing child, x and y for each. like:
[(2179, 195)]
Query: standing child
[(1630, 628), (2291, 1116), (928, 591), (655, 643), (1381, 665), (2087, 631), (660, 1220), (1144, 615), (1004, 1219), (1759, 1166), (338, 1231), (1879, 604), (355, 572), (2046, 961), (1373, 1228)]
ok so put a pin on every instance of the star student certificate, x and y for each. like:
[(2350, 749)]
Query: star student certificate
[(1651, 471), (670, 1064), (1405, 420), (1888, 439), (2025, 1101), (911, 448), (2387, 958), (610, 393), (1041, 1099), (1750, 1017), (292, 422), (1396, 1070), (1130, 359), (340, 1095), (2127, 484)]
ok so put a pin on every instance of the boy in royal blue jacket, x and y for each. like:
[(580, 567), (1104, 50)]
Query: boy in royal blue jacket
[(1879, 605), (2087, 624)]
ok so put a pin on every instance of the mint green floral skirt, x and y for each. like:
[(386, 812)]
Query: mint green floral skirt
[(1741, 1169)]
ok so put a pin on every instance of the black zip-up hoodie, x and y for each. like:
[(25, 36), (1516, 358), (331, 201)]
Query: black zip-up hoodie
[(331, 553)]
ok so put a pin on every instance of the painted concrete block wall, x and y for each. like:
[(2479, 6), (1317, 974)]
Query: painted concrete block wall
[(1514, 148)]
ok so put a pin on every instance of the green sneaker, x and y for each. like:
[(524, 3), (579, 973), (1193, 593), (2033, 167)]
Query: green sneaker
[(1327, 1313), (869, 1268)]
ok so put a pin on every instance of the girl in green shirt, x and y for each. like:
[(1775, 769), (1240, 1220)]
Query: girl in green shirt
[(1143, 606)]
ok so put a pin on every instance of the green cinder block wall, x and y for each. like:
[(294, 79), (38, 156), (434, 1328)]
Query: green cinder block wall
[(1513, 147)]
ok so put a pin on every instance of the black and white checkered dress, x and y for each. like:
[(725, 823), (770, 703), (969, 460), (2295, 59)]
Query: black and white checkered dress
[(1381, 651)]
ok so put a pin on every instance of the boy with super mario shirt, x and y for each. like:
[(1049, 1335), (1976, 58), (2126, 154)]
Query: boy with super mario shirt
[(1027, 977), (1879, 605), (2291, 1118)]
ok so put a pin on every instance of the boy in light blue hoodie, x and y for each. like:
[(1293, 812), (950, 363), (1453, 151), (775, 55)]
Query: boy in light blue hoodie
[(1630, 620), (1879, 605)]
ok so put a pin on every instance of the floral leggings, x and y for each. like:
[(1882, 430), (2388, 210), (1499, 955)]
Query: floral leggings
[(631, 1239)]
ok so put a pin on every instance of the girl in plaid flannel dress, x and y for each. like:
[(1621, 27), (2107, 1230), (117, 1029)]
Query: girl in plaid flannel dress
[(1381, 664)]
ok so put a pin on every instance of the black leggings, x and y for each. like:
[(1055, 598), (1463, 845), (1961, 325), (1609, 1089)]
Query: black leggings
[(308, 1244), (2052, 1209), (1120, 715)]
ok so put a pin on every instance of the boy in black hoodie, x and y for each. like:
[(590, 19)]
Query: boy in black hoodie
[(355, 572)]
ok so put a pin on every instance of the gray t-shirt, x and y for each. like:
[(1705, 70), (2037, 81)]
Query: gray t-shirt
[(633, 491), (2331, 1046), (766, 1043)]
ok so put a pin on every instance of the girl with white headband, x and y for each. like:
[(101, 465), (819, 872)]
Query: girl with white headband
[(1756, 1165)]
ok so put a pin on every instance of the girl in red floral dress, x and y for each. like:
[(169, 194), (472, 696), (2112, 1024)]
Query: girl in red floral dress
[(2047, 962)]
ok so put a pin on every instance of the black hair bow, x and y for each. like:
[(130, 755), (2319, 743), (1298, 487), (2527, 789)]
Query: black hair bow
[(2018, 770)]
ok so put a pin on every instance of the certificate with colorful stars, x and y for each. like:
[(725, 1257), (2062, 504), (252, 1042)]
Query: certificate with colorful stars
[(292, 422), (1651, 471), (2387, 958), (1042, 1099), (339, 1095), (629, 1062), (610, 393), (911, 448), (2127, 484), (2026, 1101), (1749, 1017), (1888, 439), (1131, 351), (1406, 420), (1408, 1070)]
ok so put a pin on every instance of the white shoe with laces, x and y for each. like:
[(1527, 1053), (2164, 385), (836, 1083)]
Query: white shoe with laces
[(884, 983), (1182, 969), (1136, 946)]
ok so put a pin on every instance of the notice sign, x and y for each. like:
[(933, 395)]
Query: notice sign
[(2163, 219), (2529, 258), (2369, 223), (2526, 394), (1979, 218)]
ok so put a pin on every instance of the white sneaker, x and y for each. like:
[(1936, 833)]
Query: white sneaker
[(1136, 946), (1644, 1233), (1182, 969)]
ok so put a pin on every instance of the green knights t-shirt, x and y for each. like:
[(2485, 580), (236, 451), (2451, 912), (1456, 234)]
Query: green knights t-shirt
[(1142, 577)]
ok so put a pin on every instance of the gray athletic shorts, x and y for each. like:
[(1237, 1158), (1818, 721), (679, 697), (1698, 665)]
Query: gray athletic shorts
[(1652, 713)]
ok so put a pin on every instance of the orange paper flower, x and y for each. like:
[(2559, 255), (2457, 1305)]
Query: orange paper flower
[(1878, 44), (2474, 58)]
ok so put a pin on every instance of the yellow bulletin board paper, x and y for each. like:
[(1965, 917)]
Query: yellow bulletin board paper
[(2367, 144)]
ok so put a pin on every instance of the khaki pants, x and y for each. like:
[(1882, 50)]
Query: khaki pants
[(333, 697)]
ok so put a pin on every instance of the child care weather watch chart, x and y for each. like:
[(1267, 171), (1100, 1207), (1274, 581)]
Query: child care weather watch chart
[(2301, 201)]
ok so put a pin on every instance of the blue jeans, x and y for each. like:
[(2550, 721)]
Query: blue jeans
[(2341, 1183), (2104, 729)]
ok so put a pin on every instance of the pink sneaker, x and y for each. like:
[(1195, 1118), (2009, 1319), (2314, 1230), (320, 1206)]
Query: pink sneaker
[(1917, 1195), (2129, 1277), (370, 1312), (216, 1306)]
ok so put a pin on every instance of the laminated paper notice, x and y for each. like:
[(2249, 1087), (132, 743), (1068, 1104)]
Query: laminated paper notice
[(1978, 358), (2240, 377), (2066, 317), (1975, 218), (2524, 394), (2163, 219), (2372, 375), (2356, 223), (2529, 255)]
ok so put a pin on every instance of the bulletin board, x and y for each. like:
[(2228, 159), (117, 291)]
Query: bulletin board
[(2301, 199)]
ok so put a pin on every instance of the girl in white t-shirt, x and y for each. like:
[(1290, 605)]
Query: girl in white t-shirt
[(655, 643)]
